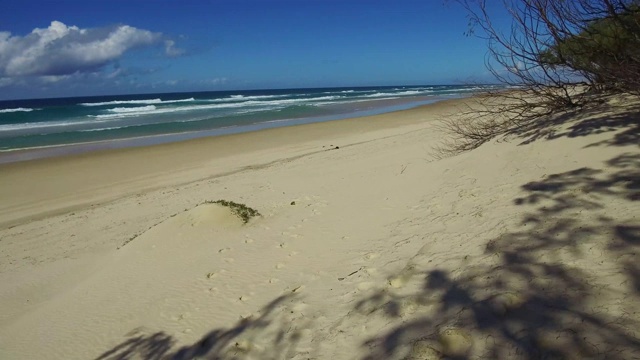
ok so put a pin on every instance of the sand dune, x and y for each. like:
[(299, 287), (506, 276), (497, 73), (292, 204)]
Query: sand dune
[(368, 246)]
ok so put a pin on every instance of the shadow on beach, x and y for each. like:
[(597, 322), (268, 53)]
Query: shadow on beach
[(599, 118), (222, 343), (564, 283)]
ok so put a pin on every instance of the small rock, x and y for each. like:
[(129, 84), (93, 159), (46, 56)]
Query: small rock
[(243, 345)]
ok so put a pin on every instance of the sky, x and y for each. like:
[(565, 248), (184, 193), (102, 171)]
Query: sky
[(95, 47)]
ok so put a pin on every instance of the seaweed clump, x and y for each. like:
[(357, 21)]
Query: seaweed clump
[(244, 212)]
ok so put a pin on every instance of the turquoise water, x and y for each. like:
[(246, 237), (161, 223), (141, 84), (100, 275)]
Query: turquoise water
[(118, 121)]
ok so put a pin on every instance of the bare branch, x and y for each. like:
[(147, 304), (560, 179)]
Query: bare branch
[(558, 53)]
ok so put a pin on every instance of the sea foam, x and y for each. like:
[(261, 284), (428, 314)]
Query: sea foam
[(250, 97), (132, 109), (137, 102), (153, 110), (401, 93), (2, 111)]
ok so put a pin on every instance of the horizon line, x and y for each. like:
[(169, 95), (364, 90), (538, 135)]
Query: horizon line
[(243, 90)]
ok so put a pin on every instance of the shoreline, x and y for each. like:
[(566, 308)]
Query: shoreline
[(127, 171), (32, 153)]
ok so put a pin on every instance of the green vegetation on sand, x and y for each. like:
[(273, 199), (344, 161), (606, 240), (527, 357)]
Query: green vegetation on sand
[(240, 210)]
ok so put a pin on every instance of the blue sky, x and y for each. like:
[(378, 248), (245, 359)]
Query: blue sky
[(75, 48)]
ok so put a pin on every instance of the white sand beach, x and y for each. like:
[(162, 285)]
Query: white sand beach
[(369, 246)]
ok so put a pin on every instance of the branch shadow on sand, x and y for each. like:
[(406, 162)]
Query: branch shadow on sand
[(564, 284), (599, 118), (223, 343)]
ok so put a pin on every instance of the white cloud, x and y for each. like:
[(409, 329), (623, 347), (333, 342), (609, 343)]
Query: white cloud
[(61, 50), (171, 50), (54, 78)]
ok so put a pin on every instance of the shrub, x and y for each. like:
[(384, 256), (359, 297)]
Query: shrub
[(240, 210)]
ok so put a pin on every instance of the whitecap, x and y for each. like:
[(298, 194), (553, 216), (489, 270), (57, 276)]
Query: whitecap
[(137, 102), (132, 109), (152, 110), (402, 93), (2, 111), (250, 97)]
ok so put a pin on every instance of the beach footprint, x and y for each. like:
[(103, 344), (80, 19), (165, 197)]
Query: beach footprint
[(371, 256), (215, 274)]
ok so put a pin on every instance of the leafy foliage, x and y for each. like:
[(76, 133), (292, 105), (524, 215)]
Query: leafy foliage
[(563, 56), (606, 50)]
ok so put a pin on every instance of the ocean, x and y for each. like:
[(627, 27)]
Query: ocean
[(48, 127)]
